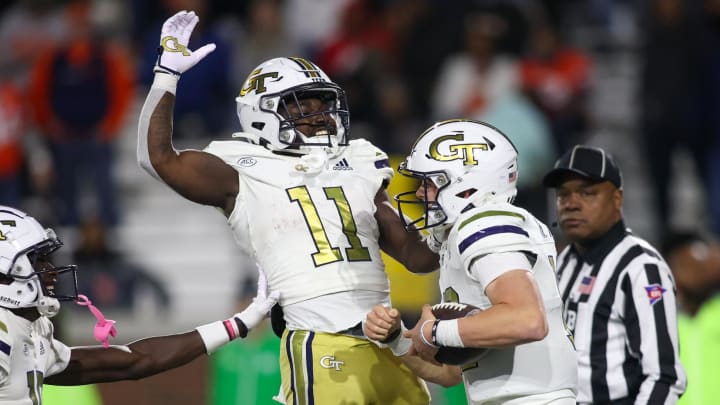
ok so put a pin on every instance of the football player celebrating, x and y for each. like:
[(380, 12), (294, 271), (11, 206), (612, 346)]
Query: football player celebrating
[(309, 204), (495, 256), (30, 356)]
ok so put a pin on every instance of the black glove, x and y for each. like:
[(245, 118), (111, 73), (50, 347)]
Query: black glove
[(277, 320)]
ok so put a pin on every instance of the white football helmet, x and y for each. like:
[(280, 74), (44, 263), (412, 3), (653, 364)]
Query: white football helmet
[(470, 162), (27, 278), (273, 100)]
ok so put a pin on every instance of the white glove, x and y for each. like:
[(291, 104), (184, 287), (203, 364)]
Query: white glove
[(174, 57), (259, 309)]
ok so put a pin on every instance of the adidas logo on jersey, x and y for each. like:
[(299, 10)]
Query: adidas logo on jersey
[(342, 165)]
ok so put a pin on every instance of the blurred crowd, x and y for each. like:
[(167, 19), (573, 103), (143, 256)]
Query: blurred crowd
[(72, 69)]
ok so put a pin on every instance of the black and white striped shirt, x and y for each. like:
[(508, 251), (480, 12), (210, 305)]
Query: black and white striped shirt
[(619, 301)]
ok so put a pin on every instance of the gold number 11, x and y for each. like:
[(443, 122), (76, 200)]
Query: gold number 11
[(326, 253)]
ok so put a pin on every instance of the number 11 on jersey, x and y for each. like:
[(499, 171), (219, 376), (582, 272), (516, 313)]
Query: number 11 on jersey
[(326, 253)]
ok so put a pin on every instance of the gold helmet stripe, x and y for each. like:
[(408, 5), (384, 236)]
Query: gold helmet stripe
[(308, 67)]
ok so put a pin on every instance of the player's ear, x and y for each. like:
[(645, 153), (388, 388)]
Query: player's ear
[(618, 199)]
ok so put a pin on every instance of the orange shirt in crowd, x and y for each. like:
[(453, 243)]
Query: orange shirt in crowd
[(11, 127), (119, 81)]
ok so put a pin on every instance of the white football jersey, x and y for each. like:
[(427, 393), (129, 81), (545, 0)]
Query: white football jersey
[(535, 368), (28, 354), (309, 221)]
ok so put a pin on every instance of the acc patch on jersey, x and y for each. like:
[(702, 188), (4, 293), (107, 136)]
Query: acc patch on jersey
[(247, 161), (654, 292)]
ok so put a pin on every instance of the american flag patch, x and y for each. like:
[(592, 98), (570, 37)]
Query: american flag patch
[(586, 285), (654, 292)]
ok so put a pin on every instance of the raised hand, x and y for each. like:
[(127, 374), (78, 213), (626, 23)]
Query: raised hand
[(174, 57)]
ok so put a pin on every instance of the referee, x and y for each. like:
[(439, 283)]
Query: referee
[(618, 292)]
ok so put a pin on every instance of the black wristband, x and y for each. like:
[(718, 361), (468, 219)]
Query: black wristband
[(434, 332)]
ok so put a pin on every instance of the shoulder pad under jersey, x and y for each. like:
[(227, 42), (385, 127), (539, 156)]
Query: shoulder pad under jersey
[(492, 229), (233, 152), (360, 150)]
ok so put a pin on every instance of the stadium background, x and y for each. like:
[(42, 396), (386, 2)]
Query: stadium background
[(391, 56)]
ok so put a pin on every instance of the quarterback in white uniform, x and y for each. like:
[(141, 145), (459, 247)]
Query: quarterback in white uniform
[(493, 255), (308, 204), (30, 356)]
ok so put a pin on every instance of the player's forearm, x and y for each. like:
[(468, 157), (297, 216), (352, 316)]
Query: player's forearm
[(154, 148), (413, 254), (442, 374), (503, 325), (420, 259), (160, 147), (140, 359), (158, 354), (517, 314), (407, 247)]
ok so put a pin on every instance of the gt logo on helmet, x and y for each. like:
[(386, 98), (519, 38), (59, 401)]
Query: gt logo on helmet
[(465, 151), (10, 223), (256, 81)]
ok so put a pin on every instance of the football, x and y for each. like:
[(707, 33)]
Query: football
[(456, 355)]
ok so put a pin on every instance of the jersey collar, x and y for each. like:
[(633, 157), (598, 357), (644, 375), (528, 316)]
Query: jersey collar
[(599, 248)]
